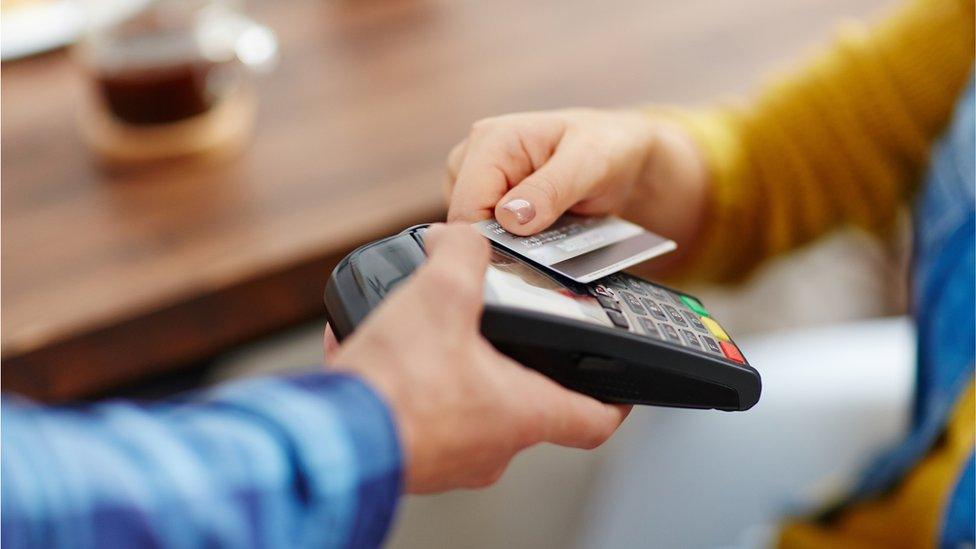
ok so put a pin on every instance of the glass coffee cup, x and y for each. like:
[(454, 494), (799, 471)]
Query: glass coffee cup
[(172, 78)]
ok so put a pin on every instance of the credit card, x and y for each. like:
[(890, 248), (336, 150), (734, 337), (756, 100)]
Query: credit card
[(583, 248)]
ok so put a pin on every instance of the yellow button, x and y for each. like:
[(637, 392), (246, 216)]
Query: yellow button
[(716, 330)]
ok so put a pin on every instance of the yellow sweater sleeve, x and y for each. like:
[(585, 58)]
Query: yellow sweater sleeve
[(843, 141)]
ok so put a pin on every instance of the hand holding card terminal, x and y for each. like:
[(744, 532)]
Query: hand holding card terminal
[(619, 339)]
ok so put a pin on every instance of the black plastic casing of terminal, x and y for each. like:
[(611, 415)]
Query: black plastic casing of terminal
[(610, 364)]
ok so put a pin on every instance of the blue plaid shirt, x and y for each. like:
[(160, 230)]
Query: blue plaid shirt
[(303, 461)]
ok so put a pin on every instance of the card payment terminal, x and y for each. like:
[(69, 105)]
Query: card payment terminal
[(619, 339)]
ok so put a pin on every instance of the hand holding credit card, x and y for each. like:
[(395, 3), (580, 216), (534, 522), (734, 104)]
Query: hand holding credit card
[(583, 248)]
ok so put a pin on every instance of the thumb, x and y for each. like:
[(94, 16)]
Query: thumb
[(457, 256), (538, 200)]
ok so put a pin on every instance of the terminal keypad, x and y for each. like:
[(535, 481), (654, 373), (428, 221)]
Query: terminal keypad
[(663, 315)]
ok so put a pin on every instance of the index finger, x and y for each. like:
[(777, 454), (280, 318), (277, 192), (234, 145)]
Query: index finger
[(484, 176)]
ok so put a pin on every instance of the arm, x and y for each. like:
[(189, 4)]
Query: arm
[(842, 141), (311, 460)]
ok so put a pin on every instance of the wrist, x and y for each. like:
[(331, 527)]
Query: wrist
[(671, 194), (380, 377)]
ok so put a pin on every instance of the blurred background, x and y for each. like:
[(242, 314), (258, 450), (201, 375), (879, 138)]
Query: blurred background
[(179, 178)]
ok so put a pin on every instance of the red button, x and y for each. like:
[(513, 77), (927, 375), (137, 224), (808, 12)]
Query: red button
[(732, 352)]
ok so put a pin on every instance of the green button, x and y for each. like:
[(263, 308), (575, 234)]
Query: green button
[(694, 305)]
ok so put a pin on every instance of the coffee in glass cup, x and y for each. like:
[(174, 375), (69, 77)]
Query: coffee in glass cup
[(172, 79)]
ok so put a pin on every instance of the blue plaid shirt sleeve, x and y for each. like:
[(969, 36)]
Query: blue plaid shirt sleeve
[(305, 461)]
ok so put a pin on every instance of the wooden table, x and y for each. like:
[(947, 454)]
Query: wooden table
[(107, 278)]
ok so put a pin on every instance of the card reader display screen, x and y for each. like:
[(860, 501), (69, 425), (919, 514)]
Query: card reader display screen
[(515, 283)]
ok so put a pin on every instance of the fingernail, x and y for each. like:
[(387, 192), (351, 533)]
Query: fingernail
[(523, 210)]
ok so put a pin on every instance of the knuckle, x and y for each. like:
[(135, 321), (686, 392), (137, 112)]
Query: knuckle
[(598, 157), (548, 188), (457, 148), (452, 283), (483, 126), (454, 157), (465, 293), (465, 232), (440, 278)]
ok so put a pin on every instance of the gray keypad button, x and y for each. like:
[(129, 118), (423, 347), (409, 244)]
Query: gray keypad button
[(616, 281), (636, 286), (669, 332), (608, 303), (633, 303), (654, 309), (675, 315), (650, 328), (695, 322), (617, 318), (712, 346), (691, 339)]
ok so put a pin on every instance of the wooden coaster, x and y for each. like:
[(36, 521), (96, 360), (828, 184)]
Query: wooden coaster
[(222, 131)]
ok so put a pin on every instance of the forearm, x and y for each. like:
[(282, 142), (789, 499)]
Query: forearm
[(306, 461), (842, 141)]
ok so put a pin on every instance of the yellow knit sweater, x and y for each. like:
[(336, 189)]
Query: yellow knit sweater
[(844, 141)]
